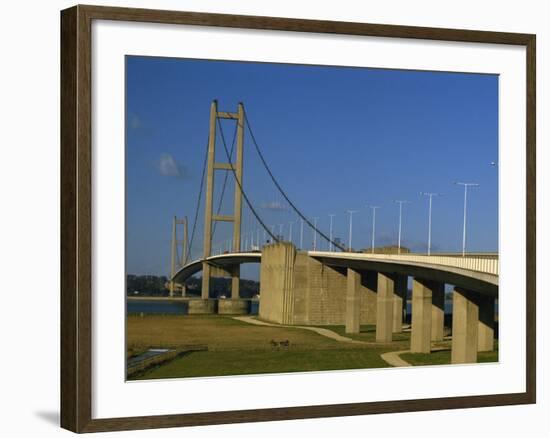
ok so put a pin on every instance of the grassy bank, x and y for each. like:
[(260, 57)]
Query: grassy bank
[(228, 363), (443, 357), (236, 348)]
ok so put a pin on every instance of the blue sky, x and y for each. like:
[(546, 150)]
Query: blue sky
[(337, 138)]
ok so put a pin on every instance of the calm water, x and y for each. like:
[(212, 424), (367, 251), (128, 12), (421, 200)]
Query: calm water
[(167, 307), (156, 307), (181, 307)]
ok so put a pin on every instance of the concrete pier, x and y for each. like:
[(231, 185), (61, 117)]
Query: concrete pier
[(385, 304), (369, 287), (486, 323), (298, 289), (438, 311), (234, 307), (422, 313), (399, 301), (353, 301), (199, 306), (276, 281), (205, 287), (235, 277), (465, 327)]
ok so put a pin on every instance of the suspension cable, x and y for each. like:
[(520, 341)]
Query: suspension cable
[(240, 186), (199, 197), (298, 212)]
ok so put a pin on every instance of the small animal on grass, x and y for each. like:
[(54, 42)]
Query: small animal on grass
[(278, 344)]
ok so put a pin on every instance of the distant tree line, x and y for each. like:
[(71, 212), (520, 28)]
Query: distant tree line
[(153, 285), (148, 285)]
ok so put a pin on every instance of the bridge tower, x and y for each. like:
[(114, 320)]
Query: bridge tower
[(209, 216), (176, 262)]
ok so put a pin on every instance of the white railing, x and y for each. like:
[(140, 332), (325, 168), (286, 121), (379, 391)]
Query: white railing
[(488, 265)]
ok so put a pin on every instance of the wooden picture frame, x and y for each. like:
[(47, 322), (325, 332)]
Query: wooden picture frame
[(76, 217)]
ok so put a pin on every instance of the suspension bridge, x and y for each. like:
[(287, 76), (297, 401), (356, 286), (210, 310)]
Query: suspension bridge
[(338, 286)]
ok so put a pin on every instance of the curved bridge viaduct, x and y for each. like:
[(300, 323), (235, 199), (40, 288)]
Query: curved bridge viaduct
[(335, 288)]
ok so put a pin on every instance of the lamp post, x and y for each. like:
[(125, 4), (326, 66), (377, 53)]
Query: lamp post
[(430, 196), (399, 232), (290, 231), (374, 208), (315, 233), (350, 212), (301, 234), (330, 231), (466, 185)]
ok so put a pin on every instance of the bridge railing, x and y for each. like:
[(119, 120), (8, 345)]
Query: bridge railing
[(488, 265)]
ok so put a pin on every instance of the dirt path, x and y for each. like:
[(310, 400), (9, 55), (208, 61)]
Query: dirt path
[(321, 331), (392, 358)]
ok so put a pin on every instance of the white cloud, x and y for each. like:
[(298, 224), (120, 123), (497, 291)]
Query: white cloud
[(135, 122), (168, 166)]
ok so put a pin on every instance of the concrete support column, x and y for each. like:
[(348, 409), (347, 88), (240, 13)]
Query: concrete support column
[(235, 276), (277, 292), (438, 311), (399, 300), (465, 327), (353, 301), (384, 307), (205, 288), (486, 323), (369, 280), (421, 332), (173, 257), (183, 290), (209, 196)]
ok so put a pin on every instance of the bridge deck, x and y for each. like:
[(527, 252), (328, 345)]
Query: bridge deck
[(479, 271)]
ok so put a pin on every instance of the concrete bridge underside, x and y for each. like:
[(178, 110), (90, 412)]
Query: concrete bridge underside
[(225, 262), (322, 288)]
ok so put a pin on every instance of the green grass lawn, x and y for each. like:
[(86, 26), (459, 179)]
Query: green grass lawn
[(226, 363), (367, 333), (220, 333), (443, 357), (236, 347)]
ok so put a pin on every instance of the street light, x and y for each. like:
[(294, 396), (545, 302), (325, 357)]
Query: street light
[(350, 212), (466, 185), (290, 232), (315, 233), (315, 219), (330, 231), (399, 233), (430, 195), (301, 234), (373, 207)]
